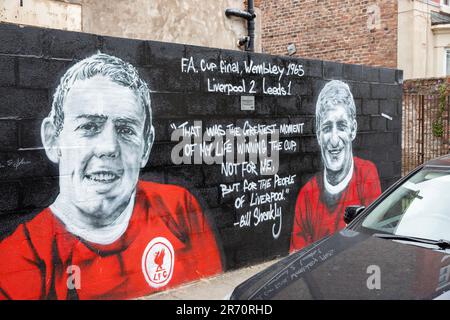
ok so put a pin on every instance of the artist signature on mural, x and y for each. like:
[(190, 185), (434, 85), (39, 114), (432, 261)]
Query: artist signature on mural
[(308, 262), (294, 271), (14, 163)]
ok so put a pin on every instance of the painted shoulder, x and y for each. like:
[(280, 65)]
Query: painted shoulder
[(153, 189), (362, 164), (166, 195), (30, 241), (310, 187), (41, 225)]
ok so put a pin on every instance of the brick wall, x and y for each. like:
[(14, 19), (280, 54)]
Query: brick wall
[(32, 61), (332, 30)]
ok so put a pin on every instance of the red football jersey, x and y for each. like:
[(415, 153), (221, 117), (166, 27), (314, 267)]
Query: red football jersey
[(318, 214), (168, 242)]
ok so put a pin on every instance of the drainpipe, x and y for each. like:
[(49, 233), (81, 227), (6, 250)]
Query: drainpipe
[(249, 15), (251, 26)]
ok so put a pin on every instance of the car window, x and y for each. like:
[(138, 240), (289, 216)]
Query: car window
[(420, 207)]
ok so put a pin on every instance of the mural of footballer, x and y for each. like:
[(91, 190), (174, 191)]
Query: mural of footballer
[(126, 237), (346, 179)]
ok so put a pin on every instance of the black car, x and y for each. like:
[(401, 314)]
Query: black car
[(397, 248)]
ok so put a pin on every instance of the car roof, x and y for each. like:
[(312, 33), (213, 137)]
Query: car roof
[(443, 161)]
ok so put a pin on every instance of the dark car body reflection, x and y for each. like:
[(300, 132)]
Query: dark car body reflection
[(339, 268)]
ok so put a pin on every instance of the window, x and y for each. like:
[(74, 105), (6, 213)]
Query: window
[(447, 61), (418, 208)]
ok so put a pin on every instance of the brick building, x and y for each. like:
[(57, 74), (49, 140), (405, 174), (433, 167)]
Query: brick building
[(412, 35), (362, 32)]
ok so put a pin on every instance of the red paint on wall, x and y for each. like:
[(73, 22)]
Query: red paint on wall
[(34, 260), (318, 215)]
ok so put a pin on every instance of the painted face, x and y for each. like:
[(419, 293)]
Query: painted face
[(102, 147), (335, 135)]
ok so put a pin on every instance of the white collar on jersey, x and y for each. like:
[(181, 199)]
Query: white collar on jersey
[(341, 185), (104, 235)]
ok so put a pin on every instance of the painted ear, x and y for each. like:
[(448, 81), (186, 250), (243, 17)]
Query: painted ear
[(317, 132), (148, 147), (50, 140), (354, 129)]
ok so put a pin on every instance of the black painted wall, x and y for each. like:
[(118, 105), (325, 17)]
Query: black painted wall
[(32, 60)]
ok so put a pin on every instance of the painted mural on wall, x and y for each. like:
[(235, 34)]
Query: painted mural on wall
[(128, 167), (248, 152), (346, 179), (124, 236)]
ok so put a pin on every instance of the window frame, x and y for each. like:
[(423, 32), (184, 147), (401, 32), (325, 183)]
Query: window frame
[(446, 61)]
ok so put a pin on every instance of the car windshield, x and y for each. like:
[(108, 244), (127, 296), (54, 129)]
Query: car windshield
[(420, 207)]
